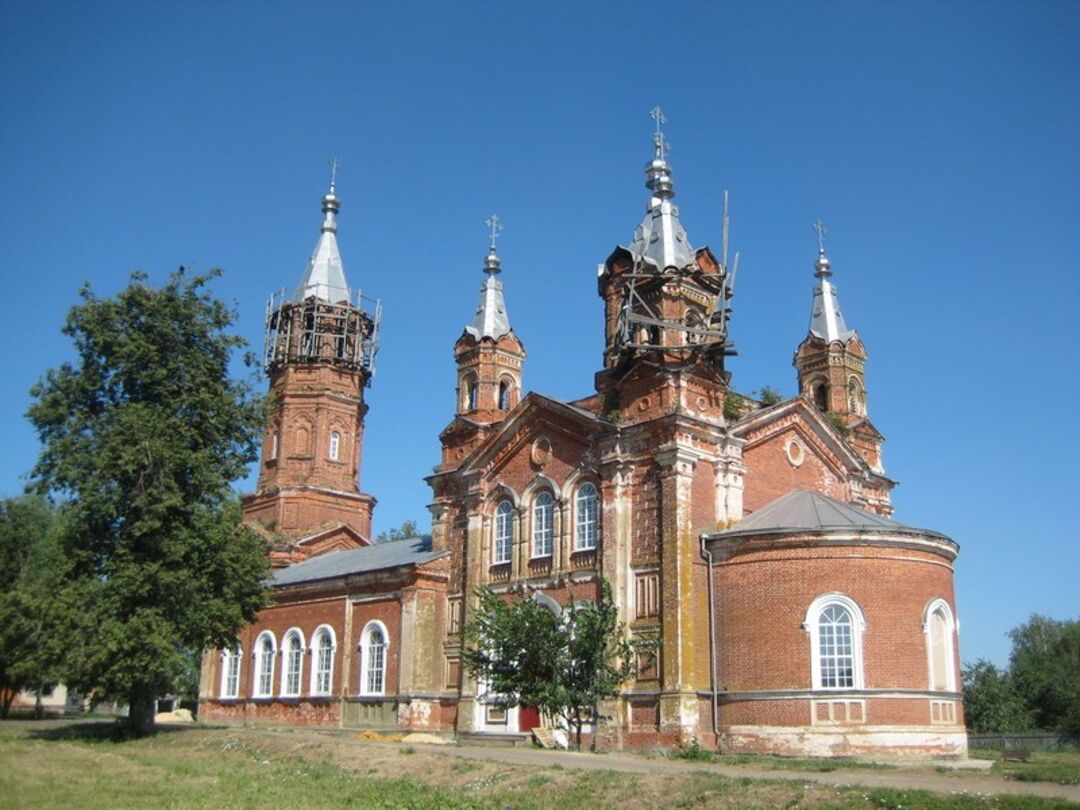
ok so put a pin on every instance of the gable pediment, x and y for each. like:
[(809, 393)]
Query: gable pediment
[(799, 417), (535, 417)]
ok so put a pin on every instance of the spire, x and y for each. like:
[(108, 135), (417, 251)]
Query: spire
[(325, 274), (660, 239), (491, 319), (826, 320)]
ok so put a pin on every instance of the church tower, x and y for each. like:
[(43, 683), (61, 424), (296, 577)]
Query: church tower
[(831, 364), (666, 307), (319, 355), (490, 360)]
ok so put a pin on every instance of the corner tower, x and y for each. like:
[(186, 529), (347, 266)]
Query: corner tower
[(319, 356), (831, 364), (490, 360)]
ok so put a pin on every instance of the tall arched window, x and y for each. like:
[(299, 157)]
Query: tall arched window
[(835, 624), (821, 396), (469, 393), (504, 533), (335, 445), (322, 670), (373, 646), (265, 650), (543, 524), (230, 671), (586, 517), (293, 664), (274, 438), (939, 627), (504, 396)]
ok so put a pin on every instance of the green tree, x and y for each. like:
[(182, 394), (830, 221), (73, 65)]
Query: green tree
[(33, 617), (1045, 668), (769, 396), (406, 531), (990, 702), (523, 653), (143, 435)]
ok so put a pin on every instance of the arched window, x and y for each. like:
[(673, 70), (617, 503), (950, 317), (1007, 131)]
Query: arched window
[(322, 670), (855, 398), (821, 396), (373, 645), (265, 650), (293, 663), (504, 396), (302, 442), (230, 671), (586, 517), (694, 320), (335, 445), (836, 625), (274, 438), (469, 393), (504, 533), (543, 524), (939, 627)]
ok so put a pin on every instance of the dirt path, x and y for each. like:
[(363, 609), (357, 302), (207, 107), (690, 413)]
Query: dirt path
[(902, 778)]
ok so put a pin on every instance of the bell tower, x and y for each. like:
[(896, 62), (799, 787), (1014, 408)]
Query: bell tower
[(831, 364), (319, 356)]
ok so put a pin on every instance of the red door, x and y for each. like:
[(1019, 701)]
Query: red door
[(528, 718)]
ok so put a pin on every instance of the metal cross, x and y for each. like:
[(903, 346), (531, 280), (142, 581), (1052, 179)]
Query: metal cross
[(335, 164), (495, 226), (821, 231), (659, 141)]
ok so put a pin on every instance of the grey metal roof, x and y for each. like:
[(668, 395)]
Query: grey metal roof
[(413, 551), (826, 320), (806, 509), (491, 318), (325, 274), (660, 239)]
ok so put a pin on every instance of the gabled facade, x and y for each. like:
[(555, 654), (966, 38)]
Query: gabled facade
[(777, 605)]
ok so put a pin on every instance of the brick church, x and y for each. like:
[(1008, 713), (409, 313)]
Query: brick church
[(749, 544)]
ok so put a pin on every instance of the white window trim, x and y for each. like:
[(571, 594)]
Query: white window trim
[(228, 656), (549, 531), (297, 633), (578, 545), (333, 452), (258, 656), (365, 662), (496, 559), (950, 644), (320, 631), (812, 627)]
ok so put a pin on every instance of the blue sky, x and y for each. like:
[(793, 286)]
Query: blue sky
[(937, 141)]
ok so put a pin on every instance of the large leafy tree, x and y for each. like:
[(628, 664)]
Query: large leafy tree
[(143, 434), (34, 618), (1045, 669), (524, 653), (990, 702)]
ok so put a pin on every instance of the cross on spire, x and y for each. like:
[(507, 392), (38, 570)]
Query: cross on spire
[(659, 141), (821, 230), (335, 164), (494, 227)]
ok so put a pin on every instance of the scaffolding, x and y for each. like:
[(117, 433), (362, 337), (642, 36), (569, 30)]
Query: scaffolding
[(314, 331), (641, 327)]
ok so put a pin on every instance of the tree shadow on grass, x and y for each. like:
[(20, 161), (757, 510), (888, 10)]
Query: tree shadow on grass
[(97, 731)]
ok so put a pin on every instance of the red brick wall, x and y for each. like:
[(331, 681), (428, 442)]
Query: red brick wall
[(770, 475), (762, 599)]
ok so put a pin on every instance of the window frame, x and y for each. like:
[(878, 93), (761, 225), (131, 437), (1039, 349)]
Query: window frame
[(365, 659), (323, 631), (812, 625), (543, 528), (586, 527), (502, 534), (231, 659), (935, 606), (333, 451), (289, 660), (260, 672)]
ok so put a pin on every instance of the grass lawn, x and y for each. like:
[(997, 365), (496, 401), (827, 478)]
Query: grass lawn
[(60, 764), (1062, 767)]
